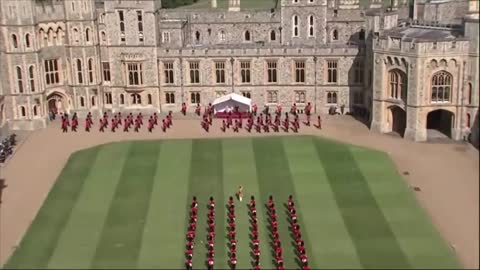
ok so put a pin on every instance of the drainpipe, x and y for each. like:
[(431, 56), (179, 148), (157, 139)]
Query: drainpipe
[(232, 61), (181, 77), (315, 84), (462, 109)]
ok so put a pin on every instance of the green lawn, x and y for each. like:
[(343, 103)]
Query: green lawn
[(124, 205)]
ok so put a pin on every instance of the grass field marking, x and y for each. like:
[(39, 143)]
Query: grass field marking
[(163, 243), (275, 179), (330, 243), (40, 240), (419, 239), (122, 233), (374, 240), (78, 241)]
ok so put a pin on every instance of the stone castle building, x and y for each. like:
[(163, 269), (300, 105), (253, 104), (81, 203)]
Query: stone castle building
[(409, 66)]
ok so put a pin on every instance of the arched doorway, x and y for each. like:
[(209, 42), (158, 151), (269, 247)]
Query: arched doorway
[(57, 103), (397, 120), (440, 121)]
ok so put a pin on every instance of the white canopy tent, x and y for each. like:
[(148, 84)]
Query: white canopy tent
[(227, 103)]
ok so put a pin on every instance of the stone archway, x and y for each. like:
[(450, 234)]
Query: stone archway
[(57, 102), (397, 120), (440, 122)]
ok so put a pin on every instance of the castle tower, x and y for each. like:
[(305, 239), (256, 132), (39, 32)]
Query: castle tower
[(234, 5), (349, 4)]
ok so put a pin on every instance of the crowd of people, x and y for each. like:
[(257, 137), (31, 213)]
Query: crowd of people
[(259, 122)]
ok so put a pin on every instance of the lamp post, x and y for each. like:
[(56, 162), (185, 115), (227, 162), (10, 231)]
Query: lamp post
[(315, 84), (233, 83)]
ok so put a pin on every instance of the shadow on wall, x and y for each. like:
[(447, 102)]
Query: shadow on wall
[(474, 136), (357, 80)]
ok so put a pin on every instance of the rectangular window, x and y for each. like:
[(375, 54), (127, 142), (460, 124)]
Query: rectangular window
[(272, 71), (169, 97), (19, 79), (272, 96), (90, 70), (245, 71), (140, 25), (331, 97), (300, 71), (121, 19), (106, 71), (358, 72), (332, 71), (195, 98), (108, 98), (220, 72), (194, 72), (168, 71), (51, 72), (247, 94), (166, 37), (135, 74), (300, 96)]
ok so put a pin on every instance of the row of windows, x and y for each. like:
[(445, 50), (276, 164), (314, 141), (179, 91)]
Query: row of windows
[(271, 72), (22, 110), (135, 99), (121, 24), (310, 26)]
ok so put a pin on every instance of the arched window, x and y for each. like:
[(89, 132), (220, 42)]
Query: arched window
[(222, 36), (60, 36), (93, 101), (14, 41), (247, 35), (441, 86), (75, 35), (27, 40), (90, 70), (19, 79), (469, 93), (273, 35), (197, 37), (311, 23), (50, 35), (361, 35), (149, 98), (103, 36), (23, 112), (41, 37), (468, 120), (35, 113), (79, 71), (335, 34), (31, 78), (87, 35), (295, 26), (397, 84), (332, 97), (122, 99), (136, 99), (82, 102)]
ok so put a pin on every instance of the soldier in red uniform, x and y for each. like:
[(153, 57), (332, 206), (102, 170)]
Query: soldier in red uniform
[(236, 126), (224, 125), (114, 123), (233, 261), (293, 110), (229, 120), (88, 124), (189, 264), (198, 109), (164, 125), (137, 124), (140, 118), (308, 111), (184, 108), (155, 118), (210, 263), (151, 123), (170, 118), (101, 122), (240, 121), (74, 122), (278, 112), (254, 109)]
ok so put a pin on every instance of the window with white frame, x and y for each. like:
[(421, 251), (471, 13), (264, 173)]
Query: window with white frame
[(295, 26), (170, 97), (311, 25), (166, 37), (27, 40), (272, 71), (90, 71), (35, 110), (197, 37), (441, 87), (272, 96), (332, 71), (195, 98), (108, 98), (76, 35), (220, 72), (331, 97), (247, 36), (23, 112), (334, 35), (397, 84), (300, 71), (14, 41), (140, 25), (222, 36), (82, 102), (121, 20), (52, 75), (136, 99), (273, 35), (79, 71), (87, 35), (93, 101), (103, 36), (135, 73), (19, 74), (149, 99), (300, 96), (194, 72), (168, 72), (122, 99), (106, 71), (245, 71), (31, 78)]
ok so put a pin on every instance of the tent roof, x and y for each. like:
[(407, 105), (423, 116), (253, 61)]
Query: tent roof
[(232, 96)]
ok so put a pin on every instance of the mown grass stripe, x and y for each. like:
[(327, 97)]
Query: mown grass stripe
[(374, 240), (274, 178), (206, 171), (39, 242), (328, 243), (415, 233), (121, 237), (78, 241), (163, 241)]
